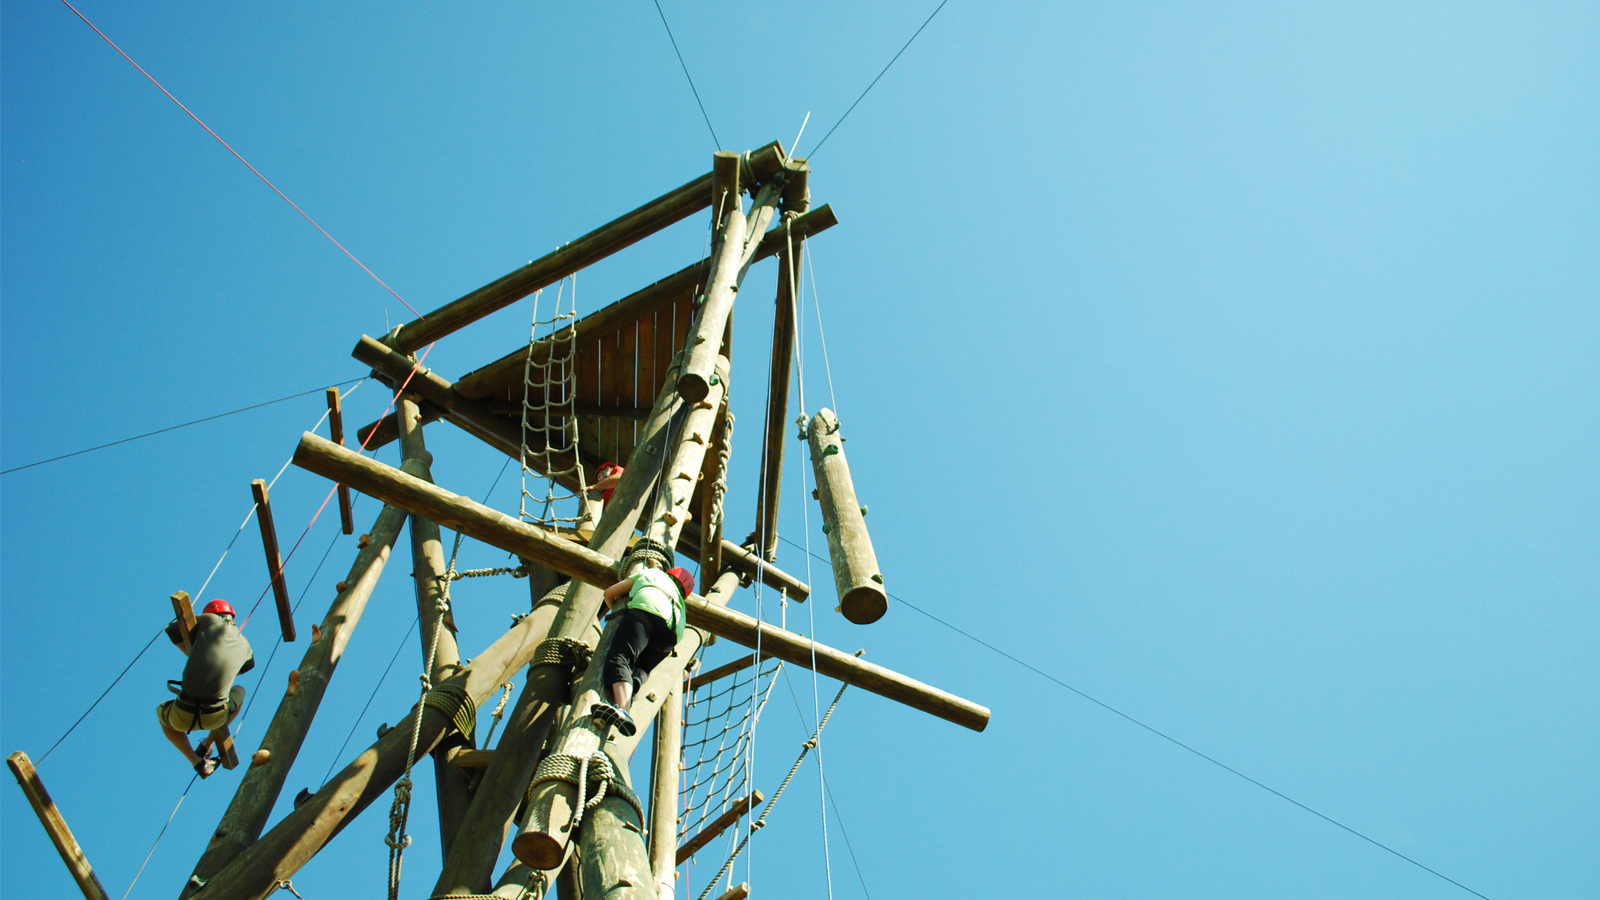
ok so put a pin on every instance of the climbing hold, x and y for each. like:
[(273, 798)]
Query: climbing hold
[(826, 528), (294, 682), (301, 798), (341, 587), (260, 757), (361, 543), (863, 510), (316, 633), (383, 730)]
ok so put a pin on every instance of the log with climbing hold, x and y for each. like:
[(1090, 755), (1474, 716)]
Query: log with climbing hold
[(862, 598), (269, 542)]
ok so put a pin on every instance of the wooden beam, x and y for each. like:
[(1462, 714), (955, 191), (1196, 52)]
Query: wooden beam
[(388, 427), (747, 564), (183, 609), (336, 434), (739, 240), (440, 656), (797, 650), (261, 785), (666, 758), (659, 213), (269, 541), (862, 598), (738, 892), (453, 511), (465, 759), (680, 285), (55, 826), (712, 507), (723, 671), (718, 826)]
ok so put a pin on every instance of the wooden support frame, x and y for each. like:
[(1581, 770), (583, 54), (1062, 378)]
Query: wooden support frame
[(774, 438), (691, 682), (669, 208), (747, 564), (55, 825), (388, 427), (269, 542), (336, 434)]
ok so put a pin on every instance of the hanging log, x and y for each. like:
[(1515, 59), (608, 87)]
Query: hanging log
[(269, 542), (659, 213), (855, 566), (55, 826), (454, 511), (797, 650), (258, 790), (680, 285), (451, 786), (336, 434), (505, 782)]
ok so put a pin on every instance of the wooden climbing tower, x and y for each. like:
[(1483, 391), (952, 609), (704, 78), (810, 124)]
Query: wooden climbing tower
[(643, 382)]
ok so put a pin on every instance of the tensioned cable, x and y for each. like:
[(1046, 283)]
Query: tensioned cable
[(170, 428), (837, 816), (160, 835), (847, 112), (240, 158), (1169, 738), (687, 75), (357, 723)]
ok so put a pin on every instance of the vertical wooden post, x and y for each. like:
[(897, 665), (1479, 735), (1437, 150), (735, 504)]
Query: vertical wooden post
[(55, 826), (336, 434), (269, 542), (855, 566), (259, 788), (452, 786), (777, 424), (712, 474), (665, 777)]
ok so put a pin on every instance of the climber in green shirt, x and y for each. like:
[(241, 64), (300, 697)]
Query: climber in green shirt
[(651, 625)]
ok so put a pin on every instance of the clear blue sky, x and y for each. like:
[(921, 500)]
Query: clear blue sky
[(1235, 364)]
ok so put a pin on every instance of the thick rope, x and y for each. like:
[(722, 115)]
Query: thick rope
[(558, 401)]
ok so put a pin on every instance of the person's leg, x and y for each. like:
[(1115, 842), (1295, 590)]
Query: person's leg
[(631, 639), (662, 640), (179, 739), (235, 700)]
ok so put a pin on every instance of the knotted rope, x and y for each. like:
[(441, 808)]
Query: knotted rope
[(579, 771)]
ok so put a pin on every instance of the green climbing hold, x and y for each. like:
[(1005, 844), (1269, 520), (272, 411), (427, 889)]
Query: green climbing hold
[(825, 528), (863, 510)]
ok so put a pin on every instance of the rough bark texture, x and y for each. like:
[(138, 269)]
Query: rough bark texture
[(855, 566), (55, 826)]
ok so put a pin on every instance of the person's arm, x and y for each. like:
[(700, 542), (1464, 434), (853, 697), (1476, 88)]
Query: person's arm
[(618, 591), (248, 665), (608, 482), (175, 634)]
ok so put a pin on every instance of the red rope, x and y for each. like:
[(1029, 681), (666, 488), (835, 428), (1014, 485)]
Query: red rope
[(415, 368), (242, 159)]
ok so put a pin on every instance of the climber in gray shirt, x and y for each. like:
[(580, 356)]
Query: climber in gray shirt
[(207, 697)]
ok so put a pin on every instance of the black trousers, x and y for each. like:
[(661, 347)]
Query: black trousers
[(642, 641)]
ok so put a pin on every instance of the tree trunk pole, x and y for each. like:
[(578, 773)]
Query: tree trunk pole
[(259, 789), (665, 778), (470, 864), (862, 598), (452, 787), (56, 826), (777, 425), (713, 490), (550, 809)]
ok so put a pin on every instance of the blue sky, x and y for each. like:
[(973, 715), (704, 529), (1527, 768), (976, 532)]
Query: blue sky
[(1234, 364)]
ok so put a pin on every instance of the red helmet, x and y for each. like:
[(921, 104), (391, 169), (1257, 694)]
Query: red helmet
[(219, 607), (607, 468), (685, 580)]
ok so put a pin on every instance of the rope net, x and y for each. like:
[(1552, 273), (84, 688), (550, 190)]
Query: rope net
[(550, 414), (718, 722)]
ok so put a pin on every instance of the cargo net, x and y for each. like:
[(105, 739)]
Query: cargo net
[(718, 722), (549, 415)]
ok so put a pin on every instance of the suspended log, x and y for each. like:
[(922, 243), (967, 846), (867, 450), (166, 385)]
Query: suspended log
[(797, 650), (336, 434), (680, 285), (454, 511), (269, 542), (659, 213), (55, 826), (505, 781), (855, 566), (452, 788), (258, 790), (718, 826)]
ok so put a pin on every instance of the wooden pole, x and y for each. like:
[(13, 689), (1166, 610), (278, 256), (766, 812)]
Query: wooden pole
[(747, 564), (452, 787), (713, 487), (258, 790), (701, 679), (336, 434), (388, 427), (855, 566), (470, 864), (55, 826), (739, 240), (777, 425), (269, 542), (718, 826), (454, 511), (681, 285), (665, 775), (598, 244), (797, 649)]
